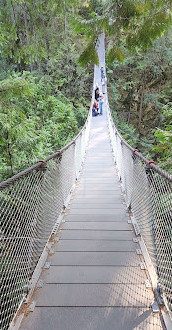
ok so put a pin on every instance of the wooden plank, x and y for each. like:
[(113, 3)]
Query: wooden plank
[(96, 245), (116, 295), (91, 234), (98, 258), (93, 318), (116, 225), (95, 217), (94, 274)]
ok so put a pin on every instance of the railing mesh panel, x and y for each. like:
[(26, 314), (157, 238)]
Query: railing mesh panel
[(148, 193), (29, 209)]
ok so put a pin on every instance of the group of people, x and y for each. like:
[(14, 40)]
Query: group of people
[(99, 98)]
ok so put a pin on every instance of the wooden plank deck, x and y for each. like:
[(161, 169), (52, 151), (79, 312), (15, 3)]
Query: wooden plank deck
[(95, 281)]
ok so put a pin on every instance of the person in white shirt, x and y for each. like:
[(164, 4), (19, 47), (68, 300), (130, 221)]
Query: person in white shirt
[(101, 100)]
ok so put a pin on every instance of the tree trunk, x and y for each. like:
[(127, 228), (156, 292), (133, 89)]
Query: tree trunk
[(141, 108), (129, 114), (10, 158), (27, 34)]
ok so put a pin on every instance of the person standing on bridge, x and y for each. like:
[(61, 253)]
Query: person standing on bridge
[(103, 79), (97, 94), (102, 74), (101, 103)]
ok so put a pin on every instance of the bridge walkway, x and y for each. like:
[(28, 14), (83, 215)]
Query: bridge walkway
[(95, 281)]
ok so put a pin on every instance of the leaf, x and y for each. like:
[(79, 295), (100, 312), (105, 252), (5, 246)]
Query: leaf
[(89, 55), (115, 54)]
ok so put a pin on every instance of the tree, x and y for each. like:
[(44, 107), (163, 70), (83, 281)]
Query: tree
[(43, 92), (140, 95), (135, 23), (31, 29), (33, 122)]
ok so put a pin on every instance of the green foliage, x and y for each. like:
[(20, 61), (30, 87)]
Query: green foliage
[(115, 54), (15, 84), (89, 55), (140, 95), (149, 30), (32, 30), (32, 122), (163, 145), (128, 132), (89, 8), (36, 118), (135, 23), (43, 92)]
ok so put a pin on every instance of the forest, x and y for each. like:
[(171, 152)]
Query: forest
[(140, 98), (47, 53)]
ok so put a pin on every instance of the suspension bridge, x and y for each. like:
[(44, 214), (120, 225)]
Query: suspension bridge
[(86, 236)]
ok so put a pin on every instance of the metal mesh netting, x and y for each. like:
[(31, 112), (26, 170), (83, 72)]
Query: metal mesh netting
[(148, 193), (30, 204)]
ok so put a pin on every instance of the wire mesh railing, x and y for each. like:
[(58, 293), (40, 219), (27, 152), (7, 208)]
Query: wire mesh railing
[(30, 203), (148, 193)]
